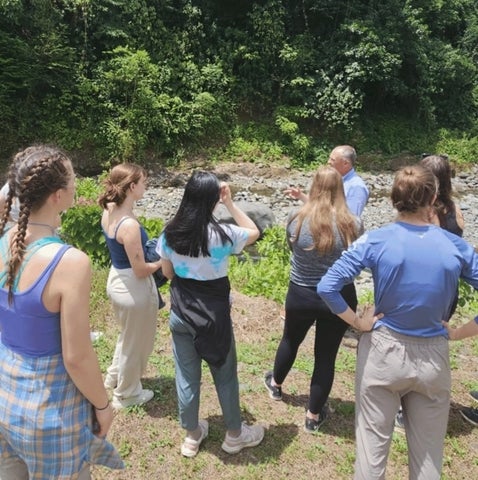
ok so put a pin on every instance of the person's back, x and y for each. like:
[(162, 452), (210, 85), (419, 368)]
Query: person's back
[(403, 354), (195, 250), (416, 272), (49, 372)]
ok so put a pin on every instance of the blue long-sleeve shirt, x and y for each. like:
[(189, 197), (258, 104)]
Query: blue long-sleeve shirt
[(415, 272), (356, 192)]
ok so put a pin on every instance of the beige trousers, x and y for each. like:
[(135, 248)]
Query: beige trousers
[(135, 305), (394, 369)]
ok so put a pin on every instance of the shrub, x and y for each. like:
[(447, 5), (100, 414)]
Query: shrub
[(269, 275)]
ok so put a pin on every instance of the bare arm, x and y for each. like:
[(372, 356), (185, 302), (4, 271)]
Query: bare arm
[(470, 329), (460, 220), (167, 269), (79, 356), (238, 215), (129, 234), (363, 322)]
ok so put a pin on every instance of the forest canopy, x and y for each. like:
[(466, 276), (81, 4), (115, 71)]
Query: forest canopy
[(138, 79)]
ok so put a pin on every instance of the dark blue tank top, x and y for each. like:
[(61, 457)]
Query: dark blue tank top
[(118, 255), (26, 326)]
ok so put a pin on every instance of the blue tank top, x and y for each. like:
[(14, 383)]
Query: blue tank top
[(26, 326), (118, 255)]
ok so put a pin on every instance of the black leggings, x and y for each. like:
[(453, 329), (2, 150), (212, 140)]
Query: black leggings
[(303, 307)]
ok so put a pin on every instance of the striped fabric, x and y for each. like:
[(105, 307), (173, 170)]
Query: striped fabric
[(45, 420)]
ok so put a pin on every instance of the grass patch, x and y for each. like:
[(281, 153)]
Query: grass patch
[(149, 437)]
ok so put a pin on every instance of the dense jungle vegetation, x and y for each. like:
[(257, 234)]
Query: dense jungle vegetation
[(161, 80)]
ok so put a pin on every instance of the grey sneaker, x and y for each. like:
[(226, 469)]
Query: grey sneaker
[(470, 415), (145, 396), (274, 392), (474, 395), (251, 435)]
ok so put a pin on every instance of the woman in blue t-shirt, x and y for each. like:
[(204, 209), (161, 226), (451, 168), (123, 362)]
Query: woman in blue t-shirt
[(404, 359)]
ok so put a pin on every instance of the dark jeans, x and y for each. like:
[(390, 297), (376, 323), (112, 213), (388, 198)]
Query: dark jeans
[(303, 307)]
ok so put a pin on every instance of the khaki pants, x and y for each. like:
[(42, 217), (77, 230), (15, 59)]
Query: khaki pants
[(14, 468), (413, 371), (135, 304)]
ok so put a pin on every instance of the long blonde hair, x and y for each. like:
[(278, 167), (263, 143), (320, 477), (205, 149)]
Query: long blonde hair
[(325, 208)]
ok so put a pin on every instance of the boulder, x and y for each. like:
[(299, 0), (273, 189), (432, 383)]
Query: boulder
[(259, 213)]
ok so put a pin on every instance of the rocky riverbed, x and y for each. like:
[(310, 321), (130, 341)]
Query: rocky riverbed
[(265, 184)]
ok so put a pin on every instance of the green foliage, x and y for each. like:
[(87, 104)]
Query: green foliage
[(81, 224), (141, 80), (467, 298), (269, 275), (81, 227), (461, 147), (153, 226)]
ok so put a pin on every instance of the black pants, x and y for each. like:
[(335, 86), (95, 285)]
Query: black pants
[(303, 307)]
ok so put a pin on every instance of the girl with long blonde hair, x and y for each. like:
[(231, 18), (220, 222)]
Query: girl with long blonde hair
[(317, 235)]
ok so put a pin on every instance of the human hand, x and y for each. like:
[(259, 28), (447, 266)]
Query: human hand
[(102, 420), (452, 332), (294, 192), (366, 319), (225, 195)]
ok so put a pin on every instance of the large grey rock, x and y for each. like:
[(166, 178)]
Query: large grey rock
[(259, 213)]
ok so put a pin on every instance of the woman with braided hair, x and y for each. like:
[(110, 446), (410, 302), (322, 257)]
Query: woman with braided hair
[(54, 409)]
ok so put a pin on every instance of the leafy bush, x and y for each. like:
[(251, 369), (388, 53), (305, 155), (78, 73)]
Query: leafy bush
[(81, 224), (268, 276), (81, 227)]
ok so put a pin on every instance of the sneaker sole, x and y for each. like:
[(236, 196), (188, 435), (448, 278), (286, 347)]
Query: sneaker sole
[(271, 395), (473, 397), (117, 405), (469, 420)]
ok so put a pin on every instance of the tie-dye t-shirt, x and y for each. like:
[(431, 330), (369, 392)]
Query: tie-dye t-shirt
[(206, 268)]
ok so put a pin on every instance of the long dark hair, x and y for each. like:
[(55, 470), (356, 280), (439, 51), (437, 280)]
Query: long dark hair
[(188, 232), (35, 173), (440, 166)]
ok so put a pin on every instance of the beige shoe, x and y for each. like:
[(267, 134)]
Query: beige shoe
[(145, 396), (190, 447)]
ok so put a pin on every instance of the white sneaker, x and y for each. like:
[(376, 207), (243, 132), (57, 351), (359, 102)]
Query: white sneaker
[(145, 396), (110, 382), (190, 447), (251, 435)]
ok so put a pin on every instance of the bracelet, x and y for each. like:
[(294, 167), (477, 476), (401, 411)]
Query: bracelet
[(104, 408)]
